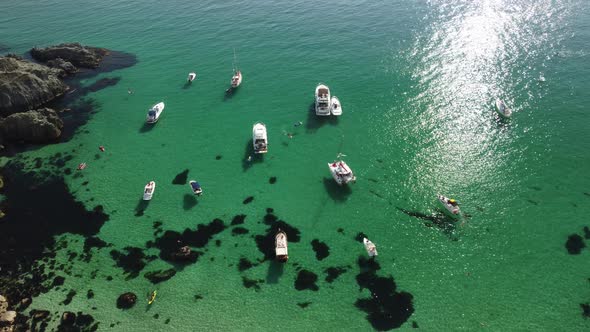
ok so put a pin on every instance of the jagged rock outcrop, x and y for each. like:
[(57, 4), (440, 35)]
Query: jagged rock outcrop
[(76, 54), (25, 85), (36, 126), (66, 67), (6, 317)]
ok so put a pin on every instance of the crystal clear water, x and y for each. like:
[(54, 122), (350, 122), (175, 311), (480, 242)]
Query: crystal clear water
[(417, 81)]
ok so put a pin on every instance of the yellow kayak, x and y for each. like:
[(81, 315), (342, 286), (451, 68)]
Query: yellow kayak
[(152, 297)]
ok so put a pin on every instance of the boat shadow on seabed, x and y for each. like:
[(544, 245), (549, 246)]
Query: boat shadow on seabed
[(439, 219), (314, 122), (141, 207), (251, 158), (337, 193)]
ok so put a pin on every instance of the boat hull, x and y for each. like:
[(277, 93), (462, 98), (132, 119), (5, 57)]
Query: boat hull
[(341, 173), (370, 247), (191, 77), (335, 106), (281, 244), (322, 100), (502, 110), (195, 187), (450, 210), (155, 112), (148, 191), (236, 80), (259, 138)]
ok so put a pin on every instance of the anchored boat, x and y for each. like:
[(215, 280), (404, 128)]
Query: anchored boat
[(196, 187), (191, 77), (281, 246), (236, 79), (335, 106), (259, 138), (322, 100), (502, 109), (450, 206), (149, 190), (155, 112), (341, 173), (370, 247)]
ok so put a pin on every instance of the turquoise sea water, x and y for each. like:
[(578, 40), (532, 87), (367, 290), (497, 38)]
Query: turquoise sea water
[(417, 81)]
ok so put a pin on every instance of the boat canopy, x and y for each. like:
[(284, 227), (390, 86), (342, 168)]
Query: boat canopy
[(195, 185), (152, 113)]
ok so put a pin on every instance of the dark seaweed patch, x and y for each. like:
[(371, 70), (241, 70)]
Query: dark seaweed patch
[(248, 200), (439, 219), (321, 249), (198, 297), (252, 283), (332, 273), (69, 297), (239, 231), (29, 234), (58, 281), (586, 232), (585, 309), (157, 224), (386, 308), (99, 85), (238, 220), (171, 243), (244, 264), (306, 280), (272, 180), (303, 305), (414, 325), (132, 263), (574, 244), (160, 275), (181, 177), (340, 230), (218, 157), (90, 294)]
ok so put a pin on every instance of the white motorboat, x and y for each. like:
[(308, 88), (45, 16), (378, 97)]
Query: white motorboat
[(335, 106), (236, 79), (281, 251), (195, 187), (502, 109), (370, 247), (322, 100), (341, 172), (191, 77), (149, 190), (450, 206), (155, 112), (259, 138)]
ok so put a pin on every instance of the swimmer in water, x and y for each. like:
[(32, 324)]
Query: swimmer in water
[(249, 158), (129, 91), (297, 124)]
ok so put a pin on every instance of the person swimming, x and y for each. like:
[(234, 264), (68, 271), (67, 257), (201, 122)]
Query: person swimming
[(297, 124)]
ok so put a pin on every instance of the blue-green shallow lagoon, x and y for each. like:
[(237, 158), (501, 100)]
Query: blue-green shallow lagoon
[(417, 81)]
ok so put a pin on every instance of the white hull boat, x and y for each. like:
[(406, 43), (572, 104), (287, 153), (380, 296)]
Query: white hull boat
[(335, 106), (236, 80), (155, 112), (196, 187), (341, 173), (450, 206), (370, 247), (322, 100), (259, 138), (191, 77), (281, 251), (149, 190), (502, 110)]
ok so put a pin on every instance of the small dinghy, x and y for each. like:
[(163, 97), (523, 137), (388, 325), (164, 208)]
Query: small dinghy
[(196, 187), (341, 173), (191, 77), (370, 247), (81, 166), (335, 106), (450, 206), (259, 138), (281, 246), (155, 112), (502, 110), (149, 190)]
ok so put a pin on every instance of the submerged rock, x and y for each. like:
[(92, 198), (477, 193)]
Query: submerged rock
[(306, 280), (126, 300), (160, 275), (25, 85), (76, 54), (575, 244), (36, 126)]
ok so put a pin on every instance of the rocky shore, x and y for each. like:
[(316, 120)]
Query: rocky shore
[(26, 87)]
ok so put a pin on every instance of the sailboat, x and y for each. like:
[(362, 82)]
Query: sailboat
[(236, 79)]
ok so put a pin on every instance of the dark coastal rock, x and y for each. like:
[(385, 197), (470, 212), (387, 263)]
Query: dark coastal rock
[(160, 275), (306, 280), (66, 67), (36, 126), (68, 318), (71, 322), (38, 315), (69, 297), (575, 244), (25, 85), (58, 281), (76, 54), (386, 308), (321, 249), (126, 300), (238, 220)]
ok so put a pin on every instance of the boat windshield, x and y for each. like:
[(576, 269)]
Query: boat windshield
[(152, 113)]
